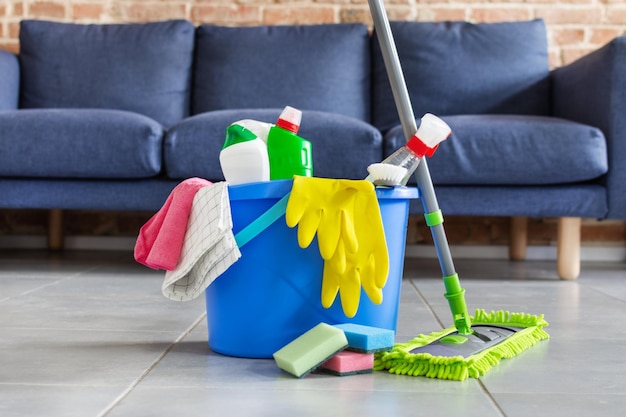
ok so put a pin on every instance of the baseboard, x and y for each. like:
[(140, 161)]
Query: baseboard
[(544, 253), (112, 243), (537, 253)]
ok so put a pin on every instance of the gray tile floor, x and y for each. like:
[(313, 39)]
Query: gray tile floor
[(89, 334)]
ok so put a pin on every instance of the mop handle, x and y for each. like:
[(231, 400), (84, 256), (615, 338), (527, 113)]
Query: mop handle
[(434, 219)]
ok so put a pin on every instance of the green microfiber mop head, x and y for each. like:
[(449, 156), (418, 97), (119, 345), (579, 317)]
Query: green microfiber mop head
[(527, 330)]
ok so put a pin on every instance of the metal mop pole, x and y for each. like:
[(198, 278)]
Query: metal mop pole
[(454, 293)]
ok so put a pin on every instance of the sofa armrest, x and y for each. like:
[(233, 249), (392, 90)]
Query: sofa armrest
[(592, 90), (9, 80)]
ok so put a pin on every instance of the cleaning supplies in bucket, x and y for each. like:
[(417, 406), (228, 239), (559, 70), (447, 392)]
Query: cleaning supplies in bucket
[(256, 151), (271, 295)]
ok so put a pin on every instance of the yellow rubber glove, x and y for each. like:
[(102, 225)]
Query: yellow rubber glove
[(368, 267), (324, 207), (346, 217)]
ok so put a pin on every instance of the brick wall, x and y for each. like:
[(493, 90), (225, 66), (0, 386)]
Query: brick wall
[(575, 26)]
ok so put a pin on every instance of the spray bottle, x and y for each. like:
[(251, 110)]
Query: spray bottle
[(400, 165), (289, 154)]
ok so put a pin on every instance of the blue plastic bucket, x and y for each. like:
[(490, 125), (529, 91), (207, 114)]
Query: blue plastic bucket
[(271, 295)]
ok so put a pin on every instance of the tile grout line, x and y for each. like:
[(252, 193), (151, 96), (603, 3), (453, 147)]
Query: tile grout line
[(490, 398), (606, 294), (49, 284), (149, 369), (425, 301)]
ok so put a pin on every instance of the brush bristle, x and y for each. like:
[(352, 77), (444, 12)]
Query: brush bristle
[(386, 174)]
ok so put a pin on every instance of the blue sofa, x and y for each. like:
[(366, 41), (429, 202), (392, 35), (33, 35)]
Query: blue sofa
[(112, 117), (527, 141)]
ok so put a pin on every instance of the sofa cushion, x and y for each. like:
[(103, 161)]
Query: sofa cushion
[(342, 146), (145, 68), (9, 80), (514, 150), (316, 67), (464, 68), (79, 143), (147, 194)]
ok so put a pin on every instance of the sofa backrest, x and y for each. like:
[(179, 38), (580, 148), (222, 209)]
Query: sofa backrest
[(144, 68), (9, 80), (315, 67), (463, 68)]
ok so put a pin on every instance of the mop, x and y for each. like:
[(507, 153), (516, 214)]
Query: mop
[(475, 344)]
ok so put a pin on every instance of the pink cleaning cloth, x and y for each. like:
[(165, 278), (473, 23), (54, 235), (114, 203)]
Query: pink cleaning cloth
[(161, 239)]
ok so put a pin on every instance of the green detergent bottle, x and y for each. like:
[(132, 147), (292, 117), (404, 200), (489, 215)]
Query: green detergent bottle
[(289, 154)]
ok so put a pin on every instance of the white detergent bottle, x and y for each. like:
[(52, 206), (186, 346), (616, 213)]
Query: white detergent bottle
[(244, 157)]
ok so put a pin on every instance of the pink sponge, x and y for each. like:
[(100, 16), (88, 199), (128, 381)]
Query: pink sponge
[(349, 363)]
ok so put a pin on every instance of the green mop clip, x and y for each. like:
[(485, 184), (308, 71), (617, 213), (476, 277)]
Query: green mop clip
[(475, 344)]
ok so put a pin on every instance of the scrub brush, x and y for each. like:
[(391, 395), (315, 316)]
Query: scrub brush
[(386, 174), (398, 168)]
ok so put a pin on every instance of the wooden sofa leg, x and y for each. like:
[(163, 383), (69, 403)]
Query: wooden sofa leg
[(518, 236), (55, 230), (568, 247)]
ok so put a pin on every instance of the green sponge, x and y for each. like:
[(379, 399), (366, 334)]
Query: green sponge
[(309, 351)]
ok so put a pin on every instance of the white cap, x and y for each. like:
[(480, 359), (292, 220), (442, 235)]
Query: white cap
[(290, 119), (432, 130)]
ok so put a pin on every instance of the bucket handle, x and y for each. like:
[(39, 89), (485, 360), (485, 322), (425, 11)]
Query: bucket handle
[(262, 222)]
